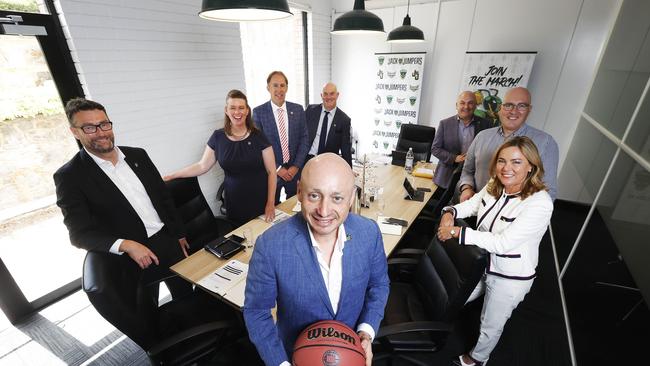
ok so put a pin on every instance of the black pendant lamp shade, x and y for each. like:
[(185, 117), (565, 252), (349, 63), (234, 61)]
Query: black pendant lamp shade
[(406, 33), (244, 10), (358, 21)]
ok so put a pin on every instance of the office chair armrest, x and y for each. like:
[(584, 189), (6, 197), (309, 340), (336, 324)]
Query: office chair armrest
[(409, 251), (421, 326), (402, 261), (189, 333)]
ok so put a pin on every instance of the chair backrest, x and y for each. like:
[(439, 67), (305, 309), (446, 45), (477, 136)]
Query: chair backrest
[(448, 193), (221, 197), (200, 223), (418, 137), (109, 285), (446, 276)]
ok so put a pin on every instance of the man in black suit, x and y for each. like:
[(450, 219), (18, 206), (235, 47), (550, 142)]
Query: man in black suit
[(328, 126), (114, 201)]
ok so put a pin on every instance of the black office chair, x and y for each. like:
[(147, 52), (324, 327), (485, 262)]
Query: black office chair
[(221, 197), (421, 311), (418, 137), (200, 223), (179, 332)]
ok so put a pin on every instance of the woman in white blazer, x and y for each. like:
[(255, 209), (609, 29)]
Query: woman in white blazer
[(513, 211)]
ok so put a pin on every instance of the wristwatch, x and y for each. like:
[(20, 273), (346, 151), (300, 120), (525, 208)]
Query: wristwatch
[(452, 232)]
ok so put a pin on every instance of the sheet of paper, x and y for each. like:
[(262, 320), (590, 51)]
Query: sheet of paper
[(236, 293), (225, 277), (388, 228), (297, 207), (279, 216)]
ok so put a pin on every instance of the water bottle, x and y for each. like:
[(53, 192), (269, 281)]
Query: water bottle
[(408, 165)]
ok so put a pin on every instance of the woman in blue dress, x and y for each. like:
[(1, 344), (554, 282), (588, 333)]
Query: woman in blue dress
[(247, 159)]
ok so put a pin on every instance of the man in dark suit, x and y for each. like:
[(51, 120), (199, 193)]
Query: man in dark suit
[(114, 201), (325, 263), (328, 126), (454, 136), (284, 125)]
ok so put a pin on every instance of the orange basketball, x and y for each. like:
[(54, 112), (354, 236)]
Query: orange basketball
[(328, 343)]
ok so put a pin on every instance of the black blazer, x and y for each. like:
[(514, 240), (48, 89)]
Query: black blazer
[(338, 137), (94, 210)]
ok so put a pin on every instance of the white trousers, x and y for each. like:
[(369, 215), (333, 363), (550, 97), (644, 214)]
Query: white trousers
[(502, 296)]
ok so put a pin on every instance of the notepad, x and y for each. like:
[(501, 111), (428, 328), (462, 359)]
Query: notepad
[(228, 280), (386, 228), (423, 172)]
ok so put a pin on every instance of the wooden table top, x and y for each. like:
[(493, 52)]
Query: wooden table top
[(202, 263)]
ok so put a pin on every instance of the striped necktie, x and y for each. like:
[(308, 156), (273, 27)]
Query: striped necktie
[(284, 137)]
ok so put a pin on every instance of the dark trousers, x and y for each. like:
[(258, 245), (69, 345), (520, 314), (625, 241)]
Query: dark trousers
[(169, 252), (290, 187)]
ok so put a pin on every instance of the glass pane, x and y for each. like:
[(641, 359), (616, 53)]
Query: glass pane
[(623, 71), (607, 280), (24, 6), (273, 45), (582, 174), (639, 136), (34, 142)]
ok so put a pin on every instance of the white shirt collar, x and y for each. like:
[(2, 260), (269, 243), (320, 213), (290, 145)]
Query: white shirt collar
[(275, 107), (332, 111), (99, 161), (340, 238)]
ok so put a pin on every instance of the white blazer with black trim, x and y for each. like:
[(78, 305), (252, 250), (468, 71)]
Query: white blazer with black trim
[(509, 228)]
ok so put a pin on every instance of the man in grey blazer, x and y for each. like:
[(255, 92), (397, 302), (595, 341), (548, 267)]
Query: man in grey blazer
[(284, 125), (454, 136)]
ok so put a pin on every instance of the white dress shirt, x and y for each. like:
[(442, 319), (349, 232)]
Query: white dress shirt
[(314, 146), (286, 117), (131, 187)]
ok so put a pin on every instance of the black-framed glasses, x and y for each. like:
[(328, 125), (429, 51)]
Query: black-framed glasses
[(521, 107), (104, 126)]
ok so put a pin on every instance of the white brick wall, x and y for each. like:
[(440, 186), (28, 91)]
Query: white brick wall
[(161, 71)]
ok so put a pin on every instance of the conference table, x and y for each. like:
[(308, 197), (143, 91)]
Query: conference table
[(390, 177)]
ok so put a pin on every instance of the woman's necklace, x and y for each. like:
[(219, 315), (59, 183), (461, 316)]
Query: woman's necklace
[(239, 137)]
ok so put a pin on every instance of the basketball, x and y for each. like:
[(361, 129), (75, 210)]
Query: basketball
[(328, 343)]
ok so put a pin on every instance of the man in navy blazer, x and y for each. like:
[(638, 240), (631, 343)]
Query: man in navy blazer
[(454, 136), (333, 137), (320, 265), (284, 125)]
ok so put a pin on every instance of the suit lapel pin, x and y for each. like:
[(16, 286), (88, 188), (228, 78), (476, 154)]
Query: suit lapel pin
[(291, 113), (249, 142), (348, 237), (136, 164)]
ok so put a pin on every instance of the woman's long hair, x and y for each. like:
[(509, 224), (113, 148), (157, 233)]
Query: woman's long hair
[(227, 124), (533, 182)]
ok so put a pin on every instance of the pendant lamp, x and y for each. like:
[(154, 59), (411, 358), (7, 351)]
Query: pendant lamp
[(406, 33), (244, 10), (358, 21)]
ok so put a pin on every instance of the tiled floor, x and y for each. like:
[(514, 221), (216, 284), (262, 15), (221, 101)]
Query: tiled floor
[(69, 332)]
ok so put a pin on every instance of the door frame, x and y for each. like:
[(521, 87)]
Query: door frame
[(59, 60)]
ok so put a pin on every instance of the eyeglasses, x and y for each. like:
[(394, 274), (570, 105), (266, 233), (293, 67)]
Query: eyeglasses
[(521, 107), (90, 129)]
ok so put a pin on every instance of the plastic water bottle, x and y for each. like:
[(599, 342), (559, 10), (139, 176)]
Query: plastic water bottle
[(408, 165)]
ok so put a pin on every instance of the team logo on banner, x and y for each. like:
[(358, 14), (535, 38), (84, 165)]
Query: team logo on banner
[(397, 96)]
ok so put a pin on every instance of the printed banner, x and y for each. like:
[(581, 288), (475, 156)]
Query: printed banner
[(491, 74), (397, 97)]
